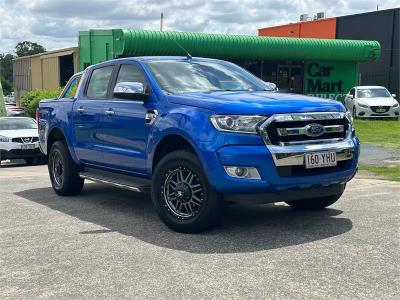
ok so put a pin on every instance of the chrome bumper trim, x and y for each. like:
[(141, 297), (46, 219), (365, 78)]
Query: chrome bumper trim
[(294, 155)]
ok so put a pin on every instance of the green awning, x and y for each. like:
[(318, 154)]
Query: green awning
[(130, 42)]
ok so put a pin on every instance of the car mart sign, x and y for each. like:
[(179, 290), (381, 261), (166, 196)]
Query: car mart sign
[(330, 79)]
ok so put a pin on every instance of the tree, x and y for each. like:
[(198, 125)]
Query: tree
[(6, 66), (7, 85), (26, 48)]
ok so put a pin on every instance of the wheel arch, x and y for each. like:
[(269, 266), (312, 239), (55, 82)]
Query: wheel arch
[(56, 134), (169, 143)]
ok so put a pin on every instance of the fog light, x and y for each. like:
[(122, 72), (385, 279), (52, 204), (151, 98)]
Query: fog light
[(243, 172)]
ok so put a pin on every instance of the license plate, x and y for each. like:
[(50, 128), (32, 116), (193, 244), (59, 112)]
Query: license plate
[(28, 146), (381, 110), (320, 160)]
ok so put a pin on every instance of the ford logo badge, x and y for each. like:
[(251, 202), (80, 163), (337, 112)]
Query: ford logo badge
[(314, 130)]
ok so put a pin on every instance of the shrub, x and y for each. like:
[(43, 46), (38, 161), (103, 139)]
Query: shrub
[(30, 101)]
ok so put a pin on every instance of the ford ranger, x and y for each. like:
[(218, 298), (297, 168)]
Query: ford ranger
[(196, 133)]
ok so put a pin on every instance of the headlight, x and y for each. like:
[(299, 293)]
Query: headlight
[(362, 105), (235, 123), (396, 105), (349, 117), (4, 139)]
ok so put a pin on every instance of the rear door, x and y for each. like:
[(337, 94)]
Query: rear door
[(88, 116), (125, 133)]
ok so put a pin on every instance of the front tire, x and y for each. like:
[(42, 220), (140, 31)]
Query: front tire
[(182, 195), (64, 173), (315, 203)]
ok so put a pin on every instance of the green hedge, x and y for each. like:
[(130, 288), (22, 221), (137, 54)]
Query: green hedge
[(2, 105), (30, 101)]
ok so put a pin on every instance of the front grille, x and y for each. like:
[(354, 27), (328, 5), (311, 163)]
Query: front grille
[(25, 140), (300, 129), (380, 109)]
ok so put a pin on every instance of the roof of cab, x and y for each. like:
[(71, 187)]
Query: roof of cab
[(158, 58)]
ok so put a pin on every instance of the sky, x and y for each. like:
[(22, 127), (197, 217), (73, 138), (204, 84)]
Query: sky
[(55, 23)]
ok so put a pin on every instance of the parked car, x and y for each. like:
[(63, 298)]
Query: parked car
[(372, 102), (19, 139), (10, 99), (197, 133), (14, 111)]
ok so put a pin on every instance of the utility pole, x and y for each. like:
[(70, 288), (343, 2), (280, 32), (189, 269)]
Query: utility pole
[(161, 21)]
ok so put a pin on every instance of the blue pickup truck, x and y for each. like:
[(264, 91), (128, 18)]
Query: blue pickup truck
[(196, 133)]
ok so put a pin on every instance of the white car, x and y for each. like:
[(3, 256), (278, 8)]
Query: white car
[(372, 102), (19, 139), (14, 111)]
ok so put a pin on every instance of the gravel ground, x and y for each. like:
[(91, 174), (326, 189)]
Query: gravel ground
[(108, 243), (375, 155)]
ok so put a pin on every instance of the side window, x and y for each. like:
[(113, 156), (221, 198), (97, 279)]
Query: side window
[(131, 73), (352, 92), (98, 83), (71, 88)]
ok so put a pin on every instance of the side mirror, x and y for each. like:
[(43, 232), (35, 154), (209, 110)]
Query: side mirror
[(270, 86), (350, 96), (394, 95), (130, 90)]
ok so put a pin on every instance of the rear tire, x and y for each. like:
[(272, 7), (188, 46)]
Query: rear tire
[(315, 203), (64, 173), (182, 195)]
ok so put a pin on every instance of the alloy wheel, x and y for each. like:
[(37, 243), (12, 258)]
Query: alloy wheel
[(57, 168), (183, 193)]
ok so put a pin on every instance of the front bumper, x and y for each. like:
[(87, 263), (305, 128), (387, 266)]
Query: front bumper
[(289, 195), (393, 112), (281, 168), (13, 151)]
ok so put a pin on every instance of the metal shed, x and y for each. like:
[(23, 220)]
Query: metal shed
[(47, 70)]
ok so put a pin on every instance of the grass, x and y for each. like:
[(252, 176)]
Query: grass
[(384, 133), (390, 172)]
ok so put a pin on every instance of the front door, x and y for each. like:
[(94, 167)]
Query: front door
[(125, 133), (290, 78)]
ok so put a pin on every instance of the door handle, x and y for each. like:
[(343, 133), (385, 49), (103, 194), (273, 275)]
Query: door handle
[(80, 109), (109, 112)]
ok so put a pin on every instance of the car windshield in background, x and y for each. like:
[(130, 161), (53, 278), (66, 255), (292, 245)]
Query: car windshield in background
[(203, 76), (372, 93), (17, 124)]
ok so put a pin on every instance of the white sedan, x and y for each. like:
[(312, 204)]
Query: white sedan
[(372, 102), (19, 139)]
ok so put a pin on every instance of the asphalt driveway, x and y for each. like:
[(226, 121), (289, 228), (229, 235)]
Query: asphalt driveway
[(109, 243)]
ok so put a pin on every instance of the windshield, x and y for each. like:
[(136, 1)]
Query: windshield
[(17, 123), (203, 76), (372, 93)]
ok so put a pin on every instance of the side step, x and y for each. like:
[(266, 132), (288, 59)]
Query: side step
[(119, 180)]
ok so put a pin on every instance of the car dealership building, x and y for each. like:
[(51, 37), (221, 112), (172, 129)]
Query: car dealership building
[(321, 67), (382, 26)]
